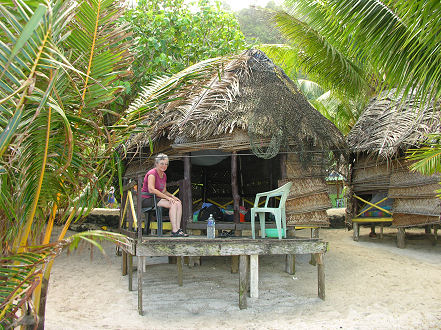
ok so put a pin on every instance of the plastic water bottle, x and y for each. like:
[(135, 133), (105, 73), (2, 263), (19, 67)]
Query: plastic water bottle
[(211, 227)]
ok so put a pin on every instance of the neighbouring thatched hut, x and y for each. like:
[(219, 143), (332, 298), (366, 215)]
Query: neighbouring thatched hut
[(240, 132), (388, 127)]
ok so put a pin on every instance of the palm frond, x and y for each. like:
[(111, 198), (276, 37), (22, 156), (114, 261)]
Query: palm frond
[(23, 271), (427, 159), (321, 60), (399, 39)]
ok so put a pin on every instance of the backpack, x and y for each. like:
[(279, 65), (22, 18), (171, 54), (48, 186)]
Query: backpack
[(205, 212)]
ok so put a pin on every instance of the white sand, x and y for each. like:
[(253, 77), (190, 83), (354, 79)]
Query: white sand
[(370, 284)]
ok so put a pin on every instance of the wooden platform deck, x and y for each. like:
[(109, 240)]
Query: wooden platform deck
[(247, 249)]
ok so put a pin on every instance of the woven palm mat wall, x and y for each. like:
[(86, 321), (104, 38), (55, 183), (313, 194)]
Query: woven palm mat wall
[(418, 206), (422, 191), (371, 177), (409, 220), (308, 198), (314, 218)]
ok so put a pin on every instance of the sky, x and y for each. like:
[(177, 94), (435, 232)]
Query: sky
[(239, 4)]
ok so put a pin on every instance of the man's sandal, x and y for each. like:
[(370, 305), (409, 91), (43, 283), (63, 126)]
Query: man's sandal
[(179, 233)]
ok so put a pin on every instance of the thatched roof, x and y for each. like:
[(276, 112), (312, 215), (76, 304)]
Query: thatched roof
[(252, 94), (390, 123)]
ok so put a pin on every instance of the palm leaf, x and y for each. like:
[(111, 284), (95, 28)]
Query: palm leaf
[(399, 39), (321, 60), (23, 270), (427, 159)]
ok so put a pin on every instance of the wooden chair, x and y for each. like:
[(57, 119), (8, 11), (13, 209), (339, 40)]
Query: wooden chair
[(278, 212)]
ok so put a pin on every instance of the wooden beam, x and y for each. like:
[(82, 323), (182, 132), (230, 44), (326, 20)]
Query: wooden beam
[(234, 187), (314, 234), (283, 160), (373, 205), (320, 275), (187, 210), (204, 186), (356, 229), (234, 264), (180, 263), (191, 246), (139, 206), (124, 263), (243, 281), (372, 219), (130, 266), (139, 273), (401, 238), (370, 207), (290, 264), (254, 276)]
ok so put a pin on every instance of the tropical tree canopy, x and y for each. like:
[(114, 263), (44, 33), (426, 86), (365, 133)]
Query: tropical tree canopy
[(256, 27), (170, 35), (354, 49), (396, 43)]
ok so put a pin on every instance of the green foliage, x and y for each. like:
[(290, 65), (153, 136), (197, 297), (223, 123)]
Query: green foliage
[(427, 159), (171, 35), (256, 26), (397, 41)]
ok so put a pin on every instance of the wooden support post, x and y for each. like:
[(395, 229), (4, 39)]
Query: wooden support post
[(435, 232), (192, 261), (234, 187), (427, 229), (314, 234), (283, 159), (320, 275), (234, 264), (129, 217), (243, 281), (130, 266), (122, 223), (139, 206), (124, 263), (290, 264), (254, 276), (401, 238), (141, 260), (381, 230), (187, 211), (356, 229), (204, 187), (180, 263)]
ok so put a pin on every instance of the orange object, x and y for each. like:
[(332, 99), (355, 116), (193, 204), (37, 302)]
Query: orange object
[(242, 212)]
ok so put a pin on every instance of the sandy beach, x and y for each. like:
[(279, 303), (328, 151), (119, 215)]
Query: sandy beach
[(370, 284)]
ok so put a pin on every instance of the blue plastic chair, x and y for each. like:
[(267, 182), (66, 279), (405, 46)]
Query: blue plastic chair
[(278, 212)]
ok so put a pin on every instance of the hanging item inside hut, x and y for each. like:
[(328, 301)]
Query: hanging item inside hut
[(207, 157)]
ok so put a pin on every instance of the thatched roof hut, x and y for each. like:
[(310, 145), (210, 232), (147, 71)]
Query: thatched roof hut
[(388, 127), (251, 108)]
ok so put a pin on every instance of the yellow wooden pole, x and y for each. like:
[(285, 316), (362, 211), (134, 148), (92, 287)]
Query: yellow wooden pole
[(132, 208), (373, 205)]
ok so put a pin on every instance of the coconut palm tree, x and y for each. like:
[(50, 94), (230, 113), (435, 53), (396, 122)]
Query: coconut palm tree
[(360, 46), (59, 64)]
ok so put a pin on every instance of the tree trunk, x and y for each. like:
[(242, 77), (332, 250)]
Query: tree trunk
[(42, 308)]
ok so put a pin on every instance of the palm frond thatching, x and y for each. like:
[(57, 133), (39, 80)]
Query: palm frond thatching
[(249, 93), (391, 123)]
